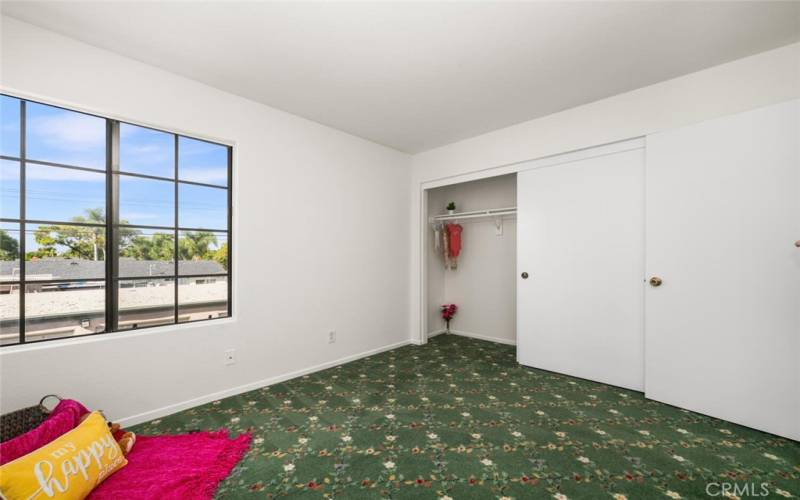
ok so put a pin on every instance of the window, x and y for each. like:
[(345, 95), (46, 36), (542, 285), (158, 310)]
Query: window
[(107, 226)]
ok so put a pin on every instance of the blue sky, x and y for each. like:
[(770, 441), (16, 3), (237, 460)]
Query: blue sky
[(58, 194)]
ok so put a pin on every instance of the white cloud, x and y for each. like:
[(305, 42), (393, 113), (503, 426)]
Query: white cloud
[(68, 131), (46, 173), (66, 137), (206, 175)]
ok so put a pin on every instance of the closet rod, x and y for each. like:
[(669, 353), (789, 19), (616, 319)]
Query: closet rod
[(492, 212)]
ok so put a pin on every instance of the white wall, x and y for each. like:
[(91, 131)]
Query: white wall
[(483, 286), (748, 83), (321, 219)]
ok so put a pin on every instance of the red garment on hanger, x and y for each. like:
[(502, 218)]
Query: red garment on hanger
[(454, 236)]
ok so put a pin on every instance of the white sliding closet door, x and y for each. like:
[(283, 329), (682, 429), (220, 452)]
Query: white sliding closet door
[(723, 215), (580, 237)]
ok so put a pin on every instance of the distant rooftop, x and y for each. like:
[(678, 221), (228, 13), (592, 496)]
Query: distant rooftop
[(77, 269), (55, 304)]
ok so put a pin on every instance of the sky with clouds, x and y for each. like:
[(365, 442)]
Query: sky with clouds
[(57, 194)]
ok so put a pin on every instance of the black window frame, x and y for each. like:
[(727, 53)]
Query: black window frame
[(112, 227)]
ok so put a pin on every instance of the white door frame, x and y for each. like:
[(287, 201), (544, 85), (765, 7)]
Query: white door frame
[(546, 161)]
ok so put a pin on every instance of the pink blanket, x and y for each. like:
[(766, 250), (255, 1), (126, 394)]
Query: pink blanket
[(183, 466), (186, 466), (64, 417)]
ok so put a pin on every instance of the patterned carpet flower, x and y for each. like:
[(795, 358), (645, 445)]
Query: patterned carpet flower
[(421, 425)]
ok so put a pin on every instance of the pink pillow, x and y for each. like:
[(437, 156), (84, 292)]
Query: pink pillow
[(64, 417)]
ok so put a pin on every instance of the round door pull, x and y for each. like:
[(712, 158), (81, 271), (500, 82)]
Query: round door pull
[(524, 276), (655, 281)]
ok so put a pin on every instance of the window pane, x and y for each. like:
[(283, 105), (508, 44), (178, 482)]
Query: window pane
[(9, 126), (202, 298), (202, 252), (65, 252), (65, 263), (64, 194), (146, 202), (146, 151), (202, 207), (9, 189), (146, 252), (9, 252), (67, 309), (147, 302), (61, 136), (9, 314), (201, 161)]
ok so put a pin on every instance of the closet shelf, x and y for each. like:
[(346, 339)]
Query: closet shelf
[(495, 213), (492, 212)]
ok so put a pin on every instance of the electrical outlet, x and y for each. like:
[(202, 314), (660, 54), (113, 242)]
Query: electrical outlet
[(332, 336), (230, 357)]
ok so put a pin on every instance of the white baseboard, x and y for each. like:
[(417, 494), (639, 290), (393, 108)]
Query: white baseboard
[(435, 333), (183, 405), (478, 336)]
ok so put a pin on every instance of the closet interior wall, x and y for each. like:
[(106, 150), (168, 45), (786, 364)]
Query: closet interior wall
[(483, 286)]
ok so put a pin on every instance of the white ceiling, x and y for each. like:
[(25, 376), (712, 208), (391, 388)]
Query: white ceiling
[(414, 75)]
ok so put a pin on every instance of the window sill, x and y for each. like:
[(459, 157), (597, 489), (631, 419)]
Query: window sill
[(111, 336)]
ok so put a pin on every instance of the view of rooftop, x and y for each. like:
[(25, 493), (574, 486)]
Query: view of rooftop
[(78, 269)]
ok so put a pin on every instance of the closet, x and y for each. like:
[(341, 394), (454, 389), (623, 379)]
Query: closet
[(482, 284), (668, 264)]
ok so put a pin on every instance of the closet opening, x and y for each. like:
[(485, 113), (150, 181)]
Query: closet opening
[(470, 259)]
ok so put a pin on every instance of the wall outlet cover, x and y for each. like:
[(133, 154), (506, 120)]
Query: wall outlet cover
[(230, 357)]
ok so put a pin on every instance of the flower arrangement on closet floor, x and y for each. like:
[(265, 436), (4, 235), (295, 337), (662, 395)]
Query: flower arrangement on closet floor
[(448, 311)]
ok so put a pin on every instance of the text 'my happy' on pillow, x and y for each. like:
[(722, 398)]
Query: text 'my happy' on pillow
[(68, 468)]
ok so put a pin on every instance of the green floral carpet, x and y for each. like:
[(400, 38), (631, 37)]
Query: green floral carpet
[(460, 419)]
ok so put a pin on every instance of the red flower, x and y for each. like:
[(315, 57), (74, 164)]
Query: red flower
[(420, 481), (312, 484), (472, 480), (448, 311), (525, 479)]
